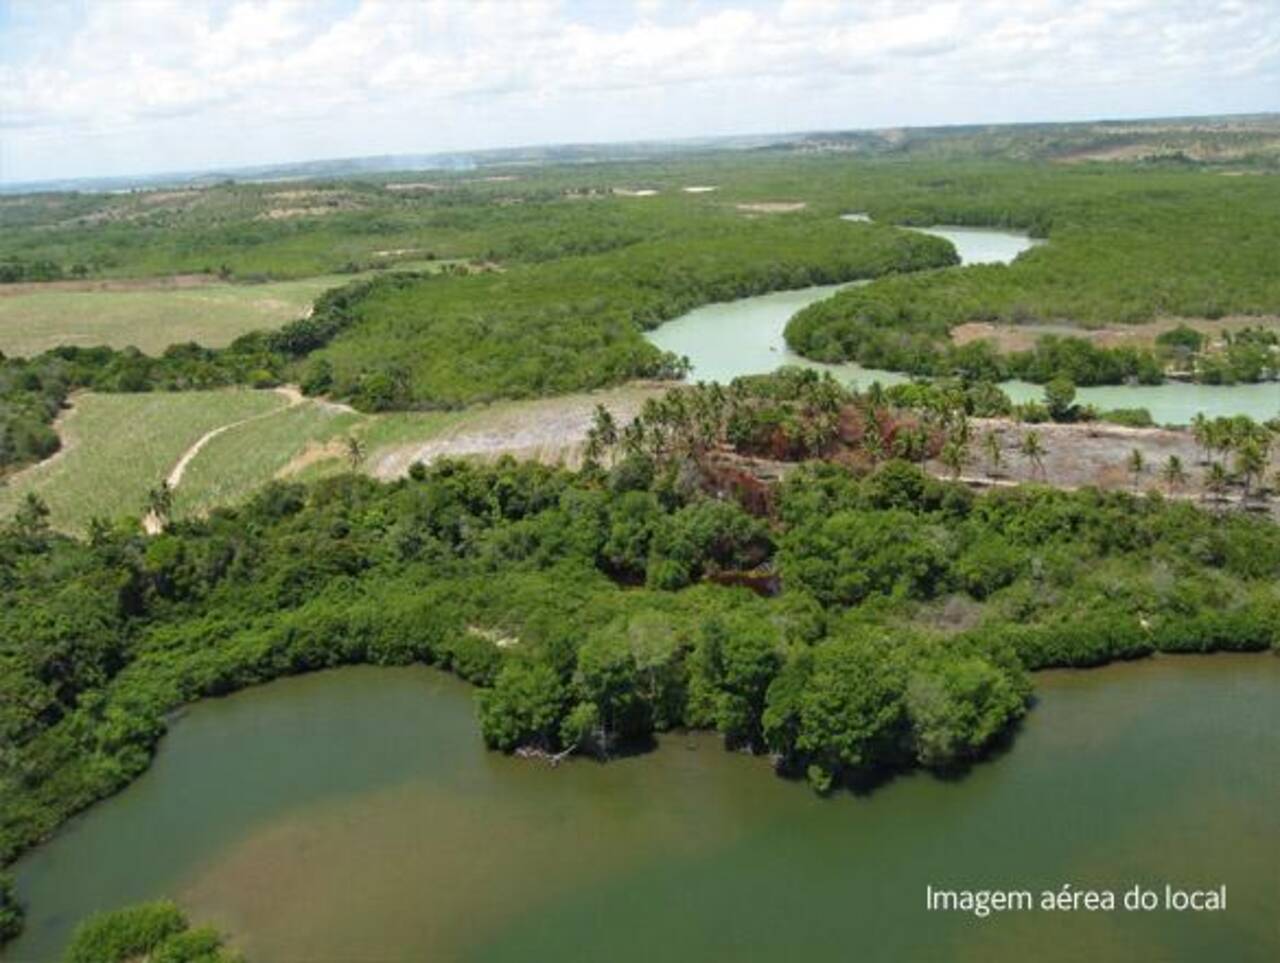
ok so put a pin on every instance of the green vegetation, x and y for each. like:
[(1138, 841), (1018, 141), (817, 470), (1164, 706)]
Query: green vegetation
[(910, 608), (576, 324), (151, 319), (572, 274), (241, 460), (1127, 246), (898, 616), (157, 932), (118, 446), (11, 913)]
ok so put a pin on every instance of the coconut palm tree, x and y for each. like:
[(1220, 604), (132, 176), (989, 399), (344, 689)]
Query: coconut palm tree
[(1216, 480), (1033, 450), (1136, 465), (955, 455), (1200, 432), (991, 445), (1250, 464), (1173, 474), (355, 452)]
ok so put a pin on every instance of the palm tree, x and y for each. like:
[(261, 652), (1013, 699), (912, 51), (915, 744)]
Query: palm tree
[(355, 452), (991, 445), (1136, 465), (955, 455), (1173, 474), (160, 501), (1216, 480), (1251, 463), (1200, 431), (1033, 450)]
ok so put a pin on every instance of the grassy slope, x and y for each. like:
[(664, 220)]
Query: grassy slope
[(239, 461), (119, 446), (213, 315)]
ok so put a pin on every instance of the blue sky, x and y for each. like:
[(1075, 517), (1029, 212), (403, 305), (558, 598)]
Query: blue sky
[(122, 87)]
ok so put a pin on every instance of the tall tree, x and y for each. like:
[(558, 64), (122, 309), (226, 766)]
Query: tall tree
[(1173, 474), (355, 452), (1033, 450)]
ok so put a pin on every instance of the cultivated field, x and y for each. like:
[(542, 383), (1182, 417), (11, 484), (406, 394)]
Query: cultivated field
[(117, 447), (213, 314), (239, 461), (151, 314)]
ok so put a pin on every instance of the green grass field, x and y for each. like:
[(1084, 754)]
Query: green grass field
[(152, 318), (237, 462), (116, 447), (213, 315)]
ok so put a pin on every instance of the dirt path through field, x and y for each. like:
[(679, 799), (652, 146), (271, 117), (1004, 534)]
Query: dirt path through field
[(151, 524)]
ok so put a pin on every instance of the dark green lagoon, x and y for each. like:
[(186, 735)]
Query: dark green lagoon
[(354, 815)]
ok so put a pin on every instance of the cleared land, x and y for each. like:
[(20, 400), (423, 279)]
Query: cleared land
[(1089, 454), (1022, 337)]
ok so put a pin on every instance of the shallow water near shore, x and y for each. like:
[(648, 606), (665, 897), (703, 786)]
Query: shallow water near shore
[(733, 338), (355, 815)]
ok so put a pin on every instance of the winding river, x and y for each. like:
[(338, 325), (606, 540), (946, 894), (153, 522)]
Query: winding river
[(743, 337), (353, 815)]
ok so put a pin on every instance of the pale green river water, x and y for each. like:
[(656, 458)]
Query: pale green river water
[(743, 337)]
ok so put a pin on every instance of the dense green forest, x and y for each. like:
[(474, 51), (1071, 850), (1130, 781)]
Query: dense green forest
[(587, 607), (850, 616), (577, 323), (1126, 247), (576, 273)]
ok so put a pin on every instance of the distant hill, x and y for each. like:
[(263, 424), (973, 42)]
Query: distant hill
[(1251, 140)]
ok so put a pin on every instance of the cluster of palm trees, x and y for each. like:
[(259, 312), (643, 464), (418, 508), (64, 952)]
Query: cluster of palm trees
[(691, 421), (1245, 442), (800, 414)]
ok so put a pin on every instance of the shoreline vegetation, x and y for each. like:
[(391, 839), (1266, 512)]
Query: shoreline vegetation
[(851, 583), (544, 284), (587, 607)]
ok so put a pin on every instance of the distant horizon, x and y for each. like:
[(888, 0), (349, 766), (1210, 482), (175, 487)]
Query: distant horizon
[(781, 136), (100, 89)]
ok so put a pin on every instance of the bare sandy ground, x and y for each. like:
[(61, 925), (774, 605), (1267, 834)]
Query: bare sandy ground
[(1093, 454), (1022, 337), (550, 430), (773, 207)]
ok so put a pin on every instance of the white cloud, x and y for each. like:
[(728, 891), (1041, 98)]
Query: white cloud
[(132, 85)]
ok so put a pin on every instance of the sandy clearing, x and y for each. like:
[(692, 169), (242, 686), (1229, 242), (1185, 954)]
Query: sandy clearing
[(550, 430), (773, 207), (1022, 337), (1088, 454)]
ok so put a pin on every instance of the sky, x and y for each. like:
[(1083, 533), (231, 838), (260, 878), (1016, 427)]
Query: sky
[(117, 87)]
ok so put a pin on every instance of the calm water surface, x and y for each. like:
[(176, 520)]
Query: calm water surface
[(741, 337), (354, 815)]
